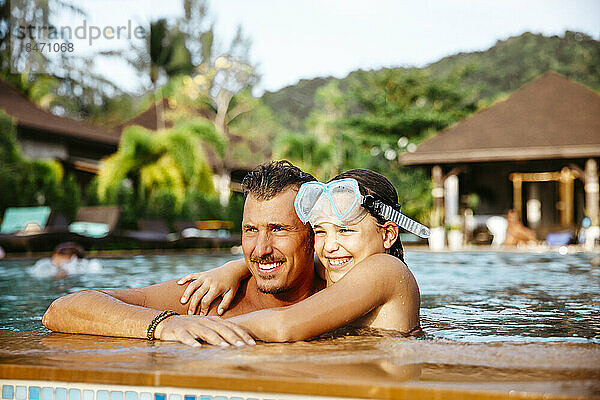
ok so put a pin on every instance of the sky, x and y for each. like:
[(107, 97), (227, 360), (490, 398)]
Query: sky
[(303, 39)]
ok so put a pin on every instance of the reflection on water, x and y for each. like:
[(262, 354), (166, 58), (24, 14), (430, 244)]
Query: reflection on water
[(373, 359), (465, 297)]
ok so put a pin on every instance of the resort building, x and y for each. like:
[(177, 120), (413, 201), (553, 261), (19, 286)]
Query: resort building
[(536, 152), (77, 145)]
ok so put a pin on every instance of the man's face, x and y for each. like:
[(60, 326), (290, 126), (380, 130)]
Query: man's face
[(277, 246)]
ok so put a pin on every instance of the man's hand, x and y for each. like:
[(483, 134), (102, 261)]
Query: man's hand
[(188, 329)]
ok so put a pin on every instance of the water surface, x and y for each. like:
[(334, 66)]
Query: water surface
[(466, 297)]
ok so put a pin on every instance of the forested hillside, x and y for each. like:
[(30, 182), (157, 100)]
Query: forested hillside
[(486, 74)]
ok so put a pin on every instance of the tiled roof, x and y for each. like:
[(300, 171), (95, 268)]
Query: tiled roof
[(550, 117), (28, 115)]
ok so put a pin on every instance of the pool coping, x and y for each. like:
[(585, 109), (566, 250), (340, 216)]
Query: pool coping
[(307, 387)]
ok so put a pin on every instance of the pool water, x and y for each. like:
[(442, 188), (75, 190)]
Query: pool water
[(466, 297)]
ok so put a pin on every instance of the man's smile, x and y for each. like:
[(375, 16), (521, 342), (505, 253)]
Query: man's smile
[(269, 267)]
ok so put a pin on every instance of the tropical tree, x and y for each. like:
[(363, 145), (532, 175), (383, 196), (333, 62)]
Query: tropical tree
[(172, 160), (169, 57), (32, 183)]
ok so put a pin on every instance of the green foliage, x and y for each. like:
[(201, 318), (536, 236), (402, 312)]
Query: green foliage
[(33, 183), (235, 211), (486, 75), (513, 62), (173, 159), (200, 206), (396, 103), (162, 204)]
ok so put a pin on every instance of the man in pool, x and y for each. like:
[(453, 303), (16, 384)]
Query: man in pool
[(278, 251)]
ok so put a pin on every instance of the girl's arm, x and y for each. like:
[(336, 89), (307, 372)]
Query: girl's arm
[(207, 286), (224, 281), (370, 284)]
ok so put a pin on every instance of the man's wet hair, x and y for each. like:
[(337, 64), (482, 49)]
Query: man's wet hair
[(269, 179)]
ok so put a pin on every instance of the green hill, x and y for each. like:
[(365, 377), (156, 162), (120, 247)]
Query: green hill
[(492, 73)]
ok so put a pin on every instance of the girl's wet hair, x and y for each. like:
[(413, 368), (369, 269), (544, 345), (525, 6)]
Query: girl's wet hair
[(378, 186)]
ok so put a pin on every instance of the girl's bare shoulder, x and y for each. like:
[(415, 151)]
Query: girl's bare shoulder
[(384, 263)]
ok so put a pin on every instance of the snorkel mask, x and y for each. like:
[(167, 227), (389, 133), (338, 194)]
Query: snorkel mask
[(341, 203)]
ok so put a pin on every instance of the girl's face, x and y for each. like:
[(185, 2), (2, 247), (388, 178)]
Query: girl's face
[(340, 248)]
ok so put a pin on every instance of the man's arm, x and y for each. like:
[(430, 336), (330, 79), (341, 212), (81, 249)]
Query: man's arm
[(128, 312)]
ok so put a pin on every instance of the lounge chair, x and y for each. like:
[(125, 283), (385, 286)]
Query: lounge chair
[(20, 225), (151, 233)]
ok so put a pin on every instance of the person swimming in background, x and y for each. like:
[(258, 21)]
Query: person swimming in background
[(355, 221), (68, 259)]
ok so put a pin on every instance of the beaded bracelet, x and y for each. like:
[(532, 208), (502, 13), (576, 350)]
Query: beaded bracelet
[(157, 320)]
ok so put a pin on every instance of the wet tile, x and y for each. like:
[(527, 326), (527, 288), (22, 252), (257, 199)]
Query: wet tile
[(8, 391), (74, 394), (21, 393), (47, 393), (34, 393)]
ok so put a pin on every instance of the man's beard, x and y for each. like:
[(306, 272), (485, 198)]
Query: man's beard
[(268, 259), (274, 290)]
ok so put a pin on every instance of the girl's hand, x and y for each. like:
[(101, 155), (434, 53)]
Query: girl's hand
[(206, 286)]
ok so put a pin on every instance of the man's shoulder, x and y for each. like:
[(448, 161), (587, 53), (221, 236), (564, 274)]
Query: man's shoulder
[(242, 303)]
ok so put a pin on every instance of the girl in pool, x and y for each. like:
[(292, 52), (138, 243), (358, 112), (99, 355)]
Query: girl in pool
[(355, 222)]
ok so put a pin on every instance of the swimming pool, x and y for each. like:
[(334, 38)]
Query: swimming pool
[(465, 297), (493, 321)]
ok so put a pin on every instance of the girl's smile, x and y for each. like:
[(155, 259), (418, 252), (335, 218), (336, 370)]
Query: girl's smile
[(340, 248)]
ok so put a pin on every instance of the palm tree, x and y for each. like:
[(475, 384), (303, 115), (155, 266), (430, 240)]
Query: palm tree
[(168, 56), (172, 159)]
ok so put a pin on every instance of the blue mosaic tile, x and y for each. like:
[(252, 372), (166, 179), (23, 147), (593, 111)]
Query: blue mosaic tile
[(101, 394), (8, 391), (60, 394), (88, 395), (189, 397), (160, 396), (116, 395), (131, 396), (21, 393), (74, 394), (34, 393), (47, 393), (145, 396)]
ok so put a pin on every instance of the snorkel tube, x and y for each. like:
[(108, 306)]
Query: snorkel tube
[(379, 208)]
